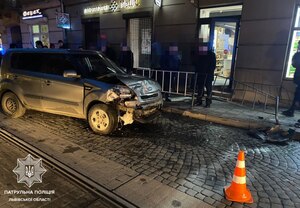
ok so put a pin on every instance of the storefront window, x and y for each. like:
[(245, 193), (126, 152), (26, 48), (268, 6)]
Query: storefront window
[(221, 11), (294, 45), (40, 32), (35, 29), (44, 28), (204, 32)]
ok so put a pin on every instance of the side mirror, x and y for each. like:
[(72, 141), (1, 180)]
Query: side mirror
[(71, 74)]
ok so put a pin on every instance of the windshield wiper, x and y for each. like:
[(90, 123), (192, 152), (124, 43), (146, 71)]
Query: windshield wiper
[(105, 75)]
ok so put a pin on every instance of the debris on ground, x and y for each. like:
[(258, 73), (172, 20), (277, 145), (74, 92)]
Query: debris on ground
[(272, 135), (297, 125)]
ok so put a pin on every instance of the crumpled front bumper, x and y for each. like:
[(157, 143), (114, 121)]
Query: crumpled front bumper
[(142, 113)]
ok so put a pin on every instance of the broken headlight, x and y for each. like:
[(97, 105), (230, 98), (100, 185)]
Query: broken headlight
[(119, 92), (123, 92)]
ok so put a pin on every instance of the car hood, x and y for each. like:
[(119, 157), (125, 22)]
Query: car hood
[(140, 85)]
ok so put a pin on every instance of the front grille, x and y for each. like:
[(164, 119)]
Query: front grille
[(144, 97)]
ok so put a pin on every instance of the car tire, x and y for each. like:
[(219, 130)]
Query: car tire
[(102, 119), (11, 105)]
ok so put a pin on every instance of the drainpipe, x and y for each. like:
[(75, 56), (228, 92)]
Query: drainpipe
[(197, 20)]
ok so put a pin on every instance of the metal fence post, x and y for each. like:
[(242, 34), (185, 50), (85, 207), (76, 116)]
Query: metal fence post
[(276, 110), (194, 89)]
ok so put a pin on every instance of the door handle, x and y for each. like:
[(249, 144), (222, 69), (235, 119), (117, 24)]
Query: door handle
[(48, 82)]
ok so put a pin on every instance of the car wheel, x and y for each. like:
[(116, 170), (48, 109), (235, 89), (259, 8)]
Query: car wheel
[(12, 106), (102, 119)]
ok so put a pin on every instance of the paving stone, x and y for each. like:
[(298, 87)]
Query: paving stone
[(189, 185), (253, 205), (264, 205), (191, 192), (207, 193), (276, 200), (276, 205), (237, 205), (287, 203), (181, 181), (217, 197), (225, 201), (200, 196), (182, 189), (197, 188), (219, 205), (209, 200)]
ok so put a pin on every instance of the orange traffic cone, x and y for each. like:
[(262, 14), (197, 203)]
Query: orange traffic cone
[(238, 191)]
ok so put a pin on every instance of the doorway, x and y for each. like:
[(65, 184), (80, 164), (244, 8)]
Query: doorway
[(92, 34), (222, 34), (16, 36), (139, 40), (220, 27)]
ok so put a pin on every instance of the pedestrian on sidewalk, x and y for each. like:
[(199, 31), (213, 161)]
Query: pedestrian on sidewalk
[(126, 59), (296, 100), (38, 44), (204, 60), (170, 64), (61, 44)]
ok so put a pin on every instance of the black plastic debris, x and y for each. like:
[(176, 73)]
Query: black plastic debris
[(274, 135)]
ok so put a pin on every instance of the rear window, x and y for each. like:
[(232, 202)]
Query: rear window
[(48, 63), (26, 61)]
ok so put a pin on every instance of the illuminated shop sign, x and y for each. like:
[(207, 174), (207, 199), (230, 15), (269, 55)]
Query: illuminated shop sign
[(112, 7), (158, 2), (63, 20), (32, 14)]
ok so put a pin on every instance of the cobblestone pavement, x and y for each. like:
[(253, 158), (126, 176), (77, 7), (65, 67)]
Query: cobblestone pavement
[(192, 156), (64, 193)]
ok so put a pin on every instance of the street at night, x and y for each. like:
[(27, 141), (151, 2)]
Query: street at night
[(149, 103)]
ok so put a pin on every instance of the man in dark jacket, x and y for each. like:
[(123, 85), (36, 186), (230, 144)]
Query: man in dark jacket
[(126, 59), (61, 44), (205, 63), (296, 100)]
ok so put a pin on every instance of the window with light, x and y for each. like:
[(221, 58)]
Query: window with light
[(294, 45)]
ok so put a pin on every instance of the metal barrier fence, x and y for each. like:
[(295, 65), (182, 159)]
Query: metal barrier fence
[(184, 83), (172, 82)]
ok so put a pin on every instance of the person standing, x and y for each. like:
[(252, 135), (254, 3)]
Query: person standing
[(61, 44), (52, 45), (173, 64), (296, 100), (126, 59), (12, 45), (39, 44), (205, 63)]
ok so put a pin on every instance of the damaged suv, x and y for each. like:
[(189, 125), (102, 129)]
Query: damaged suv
[(81, 84)]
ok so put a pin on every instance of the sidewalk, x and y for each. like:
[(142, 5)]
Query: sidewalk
[(230, 114)]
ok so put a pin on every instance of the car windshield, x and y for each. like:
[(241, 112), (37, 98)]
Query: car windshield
[(97, 65)]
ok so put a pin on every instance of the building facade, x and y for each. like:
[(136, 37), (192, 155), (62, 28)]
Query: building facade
[(253, 40)]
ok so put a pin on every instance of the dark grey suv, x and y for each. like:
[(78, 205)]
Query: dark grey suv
[(81, 84)]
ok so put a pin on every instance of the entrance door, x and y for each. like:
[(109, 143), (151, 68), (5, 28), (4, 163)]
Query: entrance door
[(139, 39), (222, 34), (92, 35)]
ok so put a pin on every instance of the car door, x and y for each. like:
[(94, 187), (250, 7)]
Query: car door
[(25, 78), (61, 95)]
